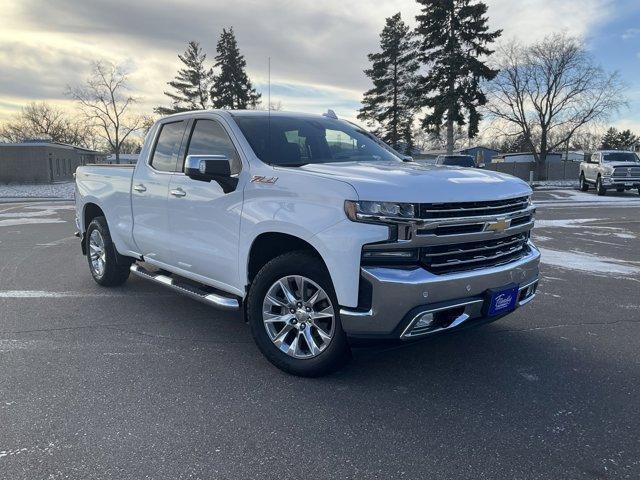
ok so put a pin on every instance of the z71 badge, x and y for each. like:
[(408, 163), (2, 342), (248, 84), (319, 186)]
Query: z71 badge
[(263, 179)]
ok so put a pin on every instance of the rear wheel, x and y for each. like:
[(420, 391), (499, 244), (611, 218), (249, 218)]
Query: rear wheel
[(600, 188), (584, 186), (107, 267), (294, 316), (619, 190)]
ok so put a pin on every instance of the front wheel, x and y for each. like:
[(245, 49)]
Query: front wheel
[(102, 255), (584, 186), (600, 190), (294, 316)]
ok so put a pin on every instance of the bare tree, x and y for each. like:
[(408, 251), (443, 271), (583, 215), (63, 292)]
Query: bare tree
[(43, 121), (547, 91), (106, 104)]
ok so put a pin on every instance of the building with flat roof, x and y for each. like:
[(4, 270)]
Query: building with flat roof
[(43, 161)]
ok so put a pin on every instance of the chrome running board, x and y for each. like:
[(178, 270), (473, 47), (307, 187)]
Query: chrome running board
[(214, 299)]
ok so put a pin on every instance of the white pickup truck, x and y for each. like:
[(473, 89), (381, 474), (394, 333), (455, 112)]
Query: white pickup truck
[(319, 233), (610, 169)]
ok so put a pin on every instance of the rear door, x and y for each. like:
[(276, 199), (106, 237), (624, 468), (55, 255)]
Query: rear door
[(150, 190), (204, 221)]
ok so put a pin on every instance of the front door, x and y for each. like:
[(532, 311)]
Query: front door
[(204, 221), (149, 193)]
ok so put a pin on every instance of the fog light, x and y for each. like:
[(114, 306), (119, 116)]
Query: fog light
[(425, 320)]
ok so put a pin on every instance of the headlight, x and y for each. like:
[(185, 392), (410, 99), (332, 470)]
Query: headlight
[(608, 170), (379, 211)]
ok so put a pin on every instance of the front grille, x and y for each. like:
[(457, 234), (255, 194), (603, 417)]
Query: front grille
[(472, 209), (624, 172), (441, 259)]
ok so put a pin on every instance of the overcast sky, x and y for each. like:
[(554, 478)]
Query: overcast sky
[(318, 47)]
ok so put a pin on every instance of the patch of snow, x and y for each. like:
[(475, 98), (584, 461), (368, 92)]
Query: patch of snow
[(585, 262), (541, 238), (576, 198), (27, 221), (623, 235), (63, 190), (569, 223)]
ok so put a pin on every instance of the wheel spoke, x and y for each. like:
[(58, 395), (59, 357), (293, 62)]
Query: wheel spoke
[(275, 301), (279, 339), (323, 335), (294, 348), (311, 343), (288, 294), (324, 313), (269, 317)]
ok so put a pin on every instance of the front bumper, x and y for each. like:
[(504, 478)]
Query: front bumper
[(399, 297), (621, 182)]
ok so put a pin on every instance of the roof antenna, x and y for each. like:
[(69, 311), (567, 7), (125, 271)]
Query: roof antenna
[(269, 107), (269, 84)]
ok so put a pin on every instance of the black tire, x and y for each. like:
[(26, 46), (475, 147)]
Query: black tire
[(584, 186), (600, 190), (116, 267), (619, 190), (337, 351)]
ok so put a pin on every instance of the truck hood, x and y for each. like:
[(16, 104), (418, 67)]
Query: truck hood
[(419, 183)]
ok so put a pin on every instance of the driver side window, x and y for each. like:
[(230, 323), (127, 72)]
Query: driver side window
[(210, 138)]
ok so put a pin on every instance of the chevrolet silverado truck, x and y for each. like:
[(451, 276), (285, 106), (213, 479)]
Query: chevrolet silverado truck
[(318, 234), (610, 169)]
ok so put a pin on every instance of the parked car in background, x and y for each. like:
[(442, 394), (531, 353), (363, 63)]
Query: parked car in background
[(457, 161), (312, 229), (610, 169)]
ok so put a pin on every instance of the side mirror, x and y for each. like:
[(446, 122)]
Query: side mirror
[(206, 168), (406, 158)]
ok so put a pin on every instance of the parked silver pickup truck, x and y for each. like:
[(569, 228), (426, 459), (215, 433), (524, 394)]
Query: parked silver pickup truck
[(609, 169)]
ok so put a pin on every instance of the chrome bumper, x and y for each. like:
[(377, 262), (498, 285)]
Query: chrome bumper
[(400, 296)]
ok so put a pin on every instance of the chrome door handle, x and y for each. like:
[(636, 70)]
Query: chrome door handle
[(178, 192), (140, 188)]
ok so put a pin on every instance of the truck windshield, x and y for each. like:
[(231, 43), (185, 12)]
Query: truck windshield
[(298, 140), (620, 157), (459, 161)]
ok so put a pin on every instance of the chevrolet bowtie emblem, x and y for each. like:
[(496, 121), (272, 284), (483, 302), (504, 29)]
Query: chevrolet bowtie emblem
[(498, 226)]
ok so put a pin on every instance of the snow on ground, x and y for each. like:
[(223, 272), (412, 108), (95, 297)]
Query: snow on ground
[(32, 214), (576, 198), (586, 262), (552, 184), (62, 190)]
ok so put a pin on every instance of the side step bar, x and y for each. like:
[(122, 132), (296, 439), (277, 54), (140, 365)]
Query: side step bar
[(214, 299)]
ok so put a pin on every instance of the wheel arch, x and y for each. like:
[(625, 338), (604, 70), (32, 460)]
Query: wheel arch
[(268, 245)]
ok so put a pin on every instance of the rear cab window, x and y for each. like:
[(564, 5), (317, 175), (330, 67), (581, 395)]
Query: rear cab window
[(165, 153)]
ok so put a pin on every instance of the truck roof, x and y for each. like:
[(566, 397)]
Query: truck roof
[(247, 113)]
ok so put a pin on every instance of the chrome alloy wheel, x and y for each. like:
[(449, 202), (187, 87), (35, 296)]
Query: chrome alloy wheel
[(97, 253), (298, 316)]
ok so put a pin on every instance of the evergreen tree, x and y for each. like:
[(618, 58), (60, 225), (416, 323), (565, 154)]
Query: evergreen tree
[(627, 140), (389, 106), (453, 37), (191, 84), (232, 87), (610, 139)]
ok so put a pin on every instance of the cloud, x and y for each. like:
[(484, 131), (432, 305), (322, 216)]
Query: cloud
[(318, 49)]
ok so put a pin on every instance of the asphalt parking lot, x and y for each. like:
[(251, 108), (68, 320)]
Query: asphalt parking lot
[(138, 382)]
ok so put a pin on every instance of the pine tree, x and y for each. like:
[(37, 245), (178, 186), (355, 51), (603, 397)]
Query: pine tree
[(610, 139), (453, 37), (389, 106), (627, 140), (191, 84), (232, 87)]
